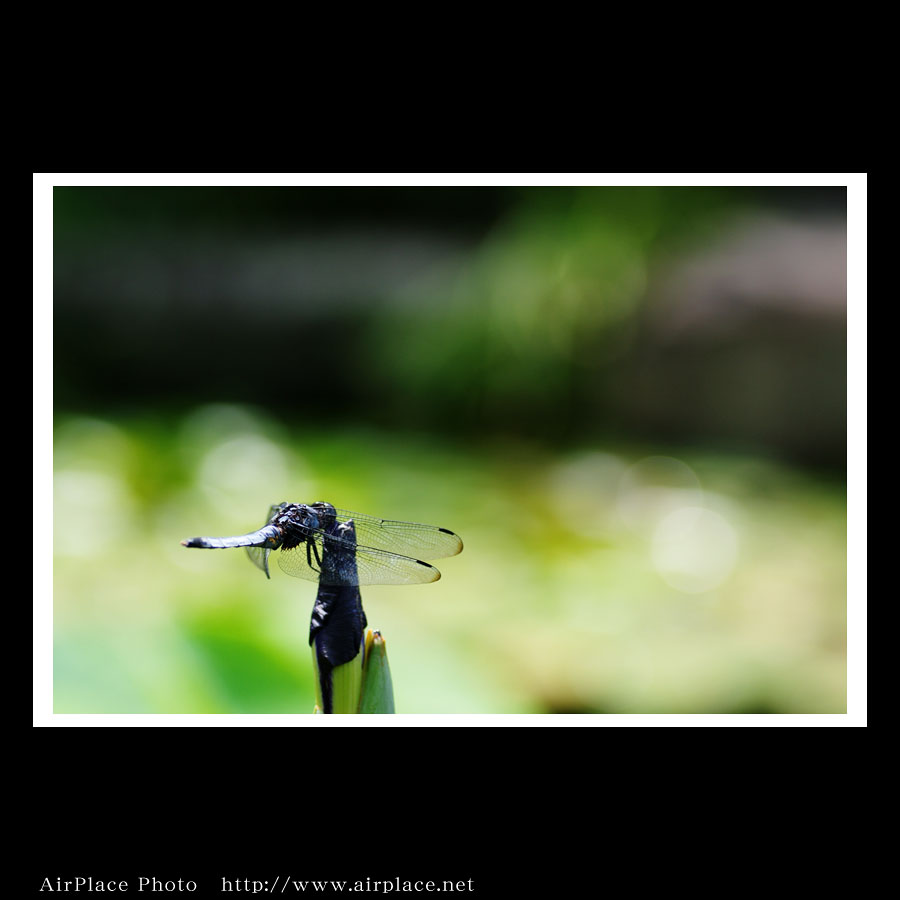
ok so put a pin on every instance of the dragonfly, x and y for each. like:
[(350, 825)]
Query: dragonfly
[(333, 546)]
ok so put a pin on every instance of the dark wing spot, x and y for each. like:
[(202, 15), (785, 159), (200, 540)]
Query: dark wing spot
[(436, 575)]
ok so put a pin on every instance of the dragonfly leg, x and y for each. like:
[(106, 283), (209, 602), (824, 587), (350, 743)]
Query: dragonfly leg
[(311, 550)]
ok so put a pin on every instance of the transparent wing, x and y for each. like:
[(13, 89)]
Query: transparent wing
[(259, 556), (380, 567), (347, 563), (403, 538)]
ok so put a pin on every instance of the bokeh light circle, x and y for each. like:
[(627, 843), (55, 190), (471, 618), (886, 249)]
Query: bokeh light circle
[(694, 549)]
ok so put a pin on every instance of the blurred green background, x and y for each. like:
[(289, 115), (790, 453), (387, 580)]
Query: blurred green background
[(629, 402)]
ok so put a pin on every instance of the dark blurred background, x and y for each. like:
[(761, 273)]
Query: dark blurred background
[(454, 352), (687, 313)]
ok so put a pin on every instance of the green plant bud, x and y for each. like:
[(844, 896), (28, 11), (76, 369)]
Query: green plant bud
[(377, 695)]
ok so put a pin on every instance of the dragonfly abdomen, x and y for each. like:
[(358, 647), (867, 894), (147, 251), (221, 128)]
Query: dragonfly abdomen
[(270, 537)]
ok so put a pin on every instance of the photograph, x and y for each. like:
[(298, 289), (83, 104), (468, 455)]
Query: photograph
[(460, 449)]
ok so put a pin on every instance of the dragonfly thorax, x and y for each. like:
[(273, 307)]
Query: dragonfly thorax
[(297, 519)]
